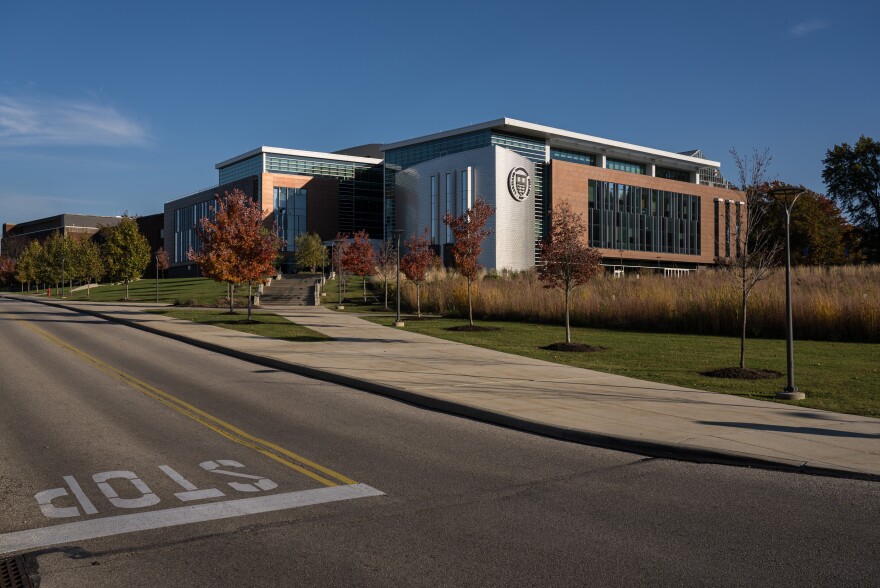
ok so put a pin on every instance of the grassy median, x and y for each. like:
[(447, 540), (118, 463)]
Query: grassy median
[(183, 291), (841, 377), (264, 324)]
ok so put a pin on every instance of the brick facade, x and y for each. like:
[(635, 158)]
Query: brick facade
[(569, 183)]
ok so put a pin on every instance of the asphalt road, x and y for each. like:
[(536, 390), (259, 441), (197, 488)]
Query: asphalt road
[(106, 430)]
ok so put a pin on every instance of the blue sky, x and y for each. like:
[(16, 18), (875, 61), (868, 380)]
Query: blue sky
[(107, 107)]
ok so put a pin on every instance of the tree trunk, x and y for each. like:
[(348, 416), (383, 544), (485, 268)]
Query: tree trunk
[(89, 288), (365, 289), (386, 293), (230, 288), (567, 323), (126, 289), (742, 341), (470, 305), (250, 298), (419, 299)]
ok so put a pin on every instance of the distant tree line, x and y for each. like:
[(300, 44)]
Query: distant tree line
[(116, 254)]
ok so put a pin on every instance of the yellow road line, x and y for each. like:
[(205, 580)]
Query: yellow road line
[(267, 448)]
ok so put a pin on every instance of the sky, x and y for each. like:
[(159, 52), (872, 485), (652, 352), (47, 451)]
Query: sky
[(115, 107)]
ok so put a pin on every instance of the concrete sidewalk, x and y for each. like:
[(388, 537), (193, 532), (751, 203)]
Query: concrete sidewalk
[(550, 399)]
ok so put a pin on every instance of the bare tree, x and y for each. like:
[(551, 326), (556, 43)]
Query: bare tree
[(758, 244), (386, 264)]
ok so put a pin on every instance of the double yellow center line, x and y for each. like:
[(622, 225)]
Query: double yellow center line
[(283, 456)]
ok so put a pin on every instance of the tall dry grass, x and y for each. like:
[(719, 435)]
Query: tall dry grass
[(829, 303)]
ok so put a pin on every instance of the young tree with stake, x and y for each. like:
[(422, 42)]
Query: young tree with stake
[(758, 244), (360, 258), (469, 231), (416, 262), (236, 247), (566, 260), (386, 264)]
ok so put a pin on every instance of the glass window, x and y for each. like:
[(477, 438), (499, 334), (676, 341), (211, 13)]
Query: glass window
[(626, 166), (672, 174), (572, 156), (450, 191), (434, 197), (634, 218)]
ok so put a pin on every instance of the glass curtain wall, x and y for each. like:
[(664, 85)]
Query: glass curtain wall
[(291, 209), (633, 218)]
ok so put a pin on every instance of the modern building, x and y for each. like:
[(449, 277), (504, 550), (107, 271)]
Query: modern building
[(17, 236), (299, 191), (645, 207)]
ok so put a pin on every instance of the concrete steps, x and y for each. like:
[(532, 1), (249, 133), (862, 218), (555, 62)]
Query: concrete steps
[(290, 290)]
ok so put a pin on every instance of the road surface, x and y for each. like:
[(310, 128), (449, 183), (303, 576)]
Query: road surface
[(131, 459)]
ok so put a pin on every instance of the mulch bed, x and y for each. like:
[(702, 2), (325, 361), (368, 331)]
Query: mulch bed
[(575, 347), (741, 373), (472, 328)]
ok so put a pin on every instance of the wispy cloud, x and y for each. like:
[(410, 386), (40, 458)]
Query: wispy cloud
[(54, 121), (807, 27), (17, 207)]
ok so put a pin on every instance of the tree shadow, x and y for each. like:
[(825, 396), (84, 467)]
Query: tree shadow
[(786, 429)]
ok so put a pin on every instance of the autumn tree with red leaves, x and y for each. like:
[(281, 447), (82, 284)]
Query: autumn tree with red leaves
[(360, 258), (566, 260), (416, 262), (236, 247), (469, 231), (7, 270), (162, 261)]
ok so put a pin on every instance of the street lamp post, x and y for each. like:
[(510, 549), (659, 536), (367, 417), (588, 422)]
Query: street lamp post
[(337, 253), (399, 322), (157, 277), (788, 195)]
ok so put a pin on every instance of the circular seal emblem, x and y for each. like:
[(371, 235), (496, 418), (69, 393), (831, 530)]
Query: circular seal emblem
[(519, 183)]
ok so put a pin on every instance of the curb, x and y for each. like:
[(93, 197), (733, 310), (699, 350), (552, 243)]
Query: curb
[(653, 449)]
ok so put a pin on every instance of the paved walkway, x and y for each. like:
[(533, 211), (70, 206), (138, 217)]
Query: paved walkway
[(561, 401)]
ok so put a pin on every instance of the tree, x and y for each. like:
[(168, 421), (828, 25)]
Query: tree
[(469, 231), (360, 257), (340, 246), (818, 229), (91, 263), (416, 262), (309, 251), (126, 252), (26, 271), (566, 260), (7, 270), (758, 242), (386, 264), (852, 175), (54, 259), (162, 261), (236, 247)]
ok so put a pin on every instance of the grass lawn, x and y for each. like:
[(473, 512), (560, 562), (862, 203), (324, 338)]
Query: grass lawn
[(841, 377), (268, 324), (354, 298), (188, 291)]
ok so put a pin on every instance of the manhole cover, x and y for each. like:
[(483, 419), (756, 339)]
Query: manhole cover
[(13, 573)]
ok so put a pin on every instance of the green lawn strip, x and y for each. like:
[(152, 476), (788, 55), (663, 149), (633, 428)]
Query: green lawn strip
[(190, 291), (353, 299), (840, 377), (268, 325)]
